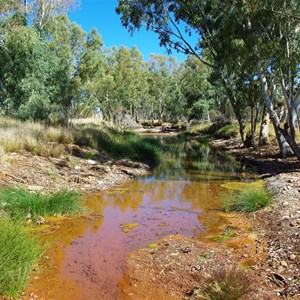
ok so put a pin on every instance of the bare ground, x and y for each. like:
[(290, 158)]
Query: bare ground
[(73, 171)]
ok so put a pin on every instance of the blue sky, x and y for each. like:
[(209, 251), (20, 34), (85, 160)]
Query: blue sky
[(101, 15)]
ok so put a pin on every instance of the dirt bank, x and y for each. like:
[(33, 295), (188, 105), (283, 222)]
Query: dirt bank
[(82, 169)]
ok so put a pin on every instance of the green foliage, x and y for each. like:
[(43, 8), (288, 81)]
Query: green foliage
[(119, 144), (18, 255), (20, 204), (248, 200), (227, 131)]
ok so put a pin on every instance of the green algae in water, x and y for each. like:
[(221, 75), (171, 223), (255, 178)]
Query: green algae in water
[(242, 186), (128, 226)]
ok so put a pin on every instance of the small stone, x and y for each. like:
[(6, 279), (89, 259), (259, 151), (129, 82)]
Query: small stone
[(245, 255), (77, 168), (284, 264), (289, 187), (285, 203), (292, 256), (35, 188), (91, 162)]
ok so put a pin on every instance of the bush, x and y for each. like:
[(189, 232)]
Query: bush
[(248, 200), (20, 204), (18, 255), (227, 284)]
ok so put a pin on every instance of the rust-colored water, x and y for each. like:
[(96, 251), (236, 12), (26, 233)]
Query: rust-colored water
[(87, 255)]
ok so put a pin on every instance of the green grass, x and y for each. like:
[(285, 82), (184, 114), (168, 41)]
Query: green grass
[(248, 200), (18, 255), (19, 204), (119, 144)]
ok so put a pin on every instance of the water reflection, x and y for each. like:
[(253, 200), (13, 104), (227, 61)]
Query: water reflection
[(193, 161), (88, 254)]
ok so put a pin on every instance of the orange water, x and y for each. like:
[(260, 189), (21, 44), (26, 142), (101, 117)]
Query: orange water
[(87, 254)]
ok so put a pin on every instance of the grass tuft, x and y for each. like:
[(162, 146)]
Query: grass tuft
[(248, 200), (21, 205), (227, 284), (18, 255)]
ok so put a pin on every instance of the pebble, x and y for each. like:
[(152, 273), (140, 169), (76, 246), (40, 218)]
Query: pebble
[(91, 162), (284, 264), (292, 256), (285, 203)]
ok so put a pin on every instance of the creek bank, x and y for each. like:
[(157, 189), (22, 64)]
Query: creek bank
[(84, 170), (278, 224)]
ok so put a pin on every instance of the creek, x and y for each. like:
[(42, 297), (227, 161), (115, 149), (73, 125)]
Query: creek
[(87, 254)]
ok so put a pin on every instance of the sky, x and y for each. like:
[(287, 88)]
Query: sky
[(101, 15)]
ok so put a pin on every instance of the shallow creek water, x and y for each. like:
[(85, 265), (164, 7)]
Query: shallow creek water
[(87, 254)]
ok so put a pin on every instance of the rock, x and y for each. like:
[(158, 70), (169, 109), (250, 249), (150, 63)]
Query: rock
[(91, 162), (292, 256), (77, 168), (295, 223), (285, 203), (284, 264), (35, 188)]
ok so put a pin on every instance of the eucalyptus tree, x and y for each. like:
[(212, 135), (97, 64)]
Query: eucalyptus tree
[(260, 36), (88, 76), (28, 72), (166, 18), (197, 89), (162, 83)]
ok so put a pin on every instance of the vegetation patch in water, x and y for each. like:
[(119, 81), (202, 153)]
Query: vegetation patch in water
[(21, 205), (127, 226), (248, 200), (18, 255)]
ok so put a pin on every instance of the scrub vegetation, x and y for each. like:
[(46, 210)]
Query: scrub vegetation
[(248, 200)]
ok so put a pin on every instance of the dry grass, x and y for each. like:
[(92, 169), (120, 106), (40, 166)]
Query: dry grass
[(16, 136)]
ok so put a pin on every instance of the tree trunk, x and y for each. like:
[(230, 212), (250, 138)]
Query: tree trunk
[(264, 129), (236, 110), (284, 141)]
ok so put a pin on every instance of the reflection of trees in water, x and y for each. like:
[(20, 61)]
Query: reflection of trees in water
[(191, 160)]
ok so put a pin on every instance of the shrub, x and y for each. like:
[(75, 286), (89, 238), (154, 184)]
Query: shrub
[(18, 255), (20, 204), (248, 200), (227, 284)]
